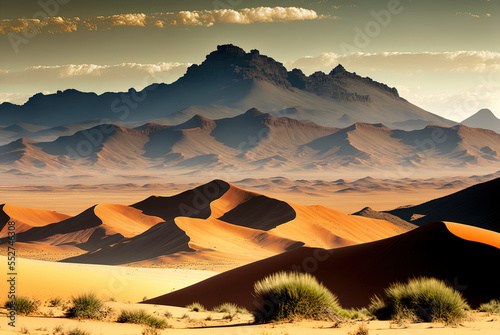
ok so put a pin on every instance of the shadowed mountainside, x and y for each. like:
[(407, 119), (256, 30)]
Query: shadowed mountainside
[(231, 80)]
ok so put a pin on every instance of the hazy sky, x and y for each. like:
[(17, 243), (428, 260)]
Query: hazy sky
[(441, 55)]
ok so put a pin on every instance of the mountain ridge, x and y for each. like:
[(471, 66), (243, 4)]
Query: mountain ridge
[(232, 80), (255, 140)]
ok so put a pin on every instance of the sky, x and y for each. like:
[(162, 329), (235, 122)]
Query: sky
[(443, 56)]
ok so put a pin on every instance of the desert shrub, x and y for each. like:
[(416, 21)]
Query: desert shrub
[(229, 307), (22, 305), (141, 317), (150, 331), (76, 331), (493, 306), (54, 302), (242, 310), (378, 309), (226, 307), (196, 307), (168, 314), (361, 330), (425, 299), (86, 306), (286, 296), (57, 329)]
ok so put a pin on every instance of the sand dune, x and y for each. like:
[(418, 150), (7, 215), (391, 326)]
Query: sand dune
[(448, 251), (92, 229), (27, 218), (216, 221), (476, 205)]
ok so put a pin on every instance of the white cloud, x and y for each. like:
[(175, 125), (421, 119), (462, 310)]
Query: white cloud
[(90, 77), (205, 18), (403, 62), (456, 105), (15, 98), (243, 16)]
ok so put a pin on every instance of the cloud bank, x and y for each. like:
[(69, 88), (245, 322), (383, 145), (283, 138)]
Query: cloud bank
[(422, 78), (87, 77), (404, 62), (206, 18)]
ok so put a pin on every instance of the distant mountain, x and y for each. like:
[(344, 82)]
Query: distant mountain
[(483, 119), (255, 140), (227, 82), (476, 206)]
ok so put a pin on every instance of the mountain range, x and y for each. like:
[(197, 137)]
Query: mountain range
[(226, 83), (254, 141)]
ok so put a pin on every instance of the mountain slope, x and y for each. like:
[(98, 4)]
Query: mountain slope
[(235, 80), (485, 119), (255, 140)]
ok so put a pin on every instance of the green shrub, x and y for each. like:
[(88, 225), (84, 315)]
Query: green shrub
[(54, 302), (22, 305), (141, 317), (76, 331), (361, 330), (86, 306), (378, 309), (229, 307), (150, 331), (57, 329), (493, 306), (425, 299), (285, 296), (196, 307)]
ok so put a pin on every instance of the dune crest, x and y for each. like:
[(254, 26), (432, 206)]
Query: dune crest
[(355, 273), (216, 221), (474, 234)]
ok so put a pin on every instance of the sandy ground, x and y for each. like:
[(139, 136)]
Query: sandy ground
[(184, 321), (44, 280)]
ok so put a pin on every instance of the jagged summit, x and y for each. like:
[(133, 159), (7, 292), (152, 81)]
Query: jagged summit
[(338, 69), (230, 62)]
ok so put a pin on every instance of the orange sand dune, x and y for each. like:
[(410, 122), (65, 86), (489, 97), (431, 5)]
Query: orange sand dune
[(229, 223), (94, 228), (471, 233), (355, 273), (27, 218), (323, 227)]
